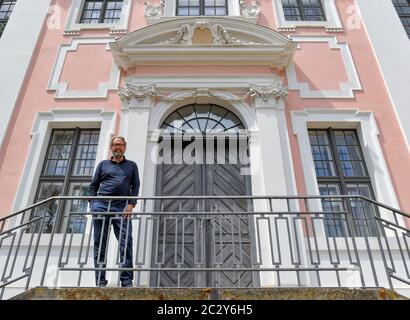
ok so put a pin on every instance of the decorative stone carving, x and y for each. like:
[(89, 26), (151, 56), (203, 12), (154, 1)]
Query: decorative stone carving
[(250, 11), (183, 94), (138, 92), (183, 36), (276, 91), (199, 94), (153, 11), (223, 96), (222, 36), (219, 34)]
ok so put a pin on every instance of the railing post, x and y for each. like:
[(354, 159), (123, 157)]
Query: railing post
[(36, 250), (50, 244)]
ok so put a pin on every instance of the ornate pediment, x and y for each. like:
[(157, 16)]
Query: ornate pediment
[(206, 33), (203, 41)]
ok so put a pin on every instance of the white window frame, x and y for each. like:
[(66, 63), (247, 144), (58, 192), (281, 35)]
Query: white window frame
[(368, 134), (44, 123), (170, 8), (73, 25), (332, 23)]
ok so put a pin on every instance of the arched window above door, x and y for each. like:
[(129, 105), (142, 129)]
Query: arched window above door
[(202, 118)]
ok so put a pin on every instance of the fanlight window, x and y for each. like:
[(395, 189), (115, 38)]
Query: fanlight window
[(202, 118)]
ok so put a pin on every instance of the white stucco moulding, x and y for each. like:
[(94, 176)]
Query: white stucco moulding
[(233, 43), (61, 88), (73, 25), (332, 23), (346, 88), (186, 81)]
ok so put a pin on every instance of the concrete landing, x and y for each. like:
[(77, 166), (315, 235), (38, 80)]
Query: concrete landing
[(42, 293)]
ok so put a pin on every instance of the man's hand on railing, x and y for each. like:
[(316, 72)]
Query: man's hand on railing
[(128, 211)]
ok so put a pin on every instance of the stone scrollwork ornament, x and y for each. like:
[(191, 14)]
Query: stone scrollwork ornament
[(138, 92), (252, 10), (153, 11), (276, 91), (220, 36)]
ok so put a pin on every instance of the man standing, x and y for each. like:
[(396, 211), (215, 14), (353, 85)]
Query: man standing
[(115, 177)]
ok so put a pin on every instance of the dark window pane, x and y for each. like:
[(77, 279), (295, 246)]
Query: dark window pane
[(202, 7), (349, 153), (194, 11), (49, 209), (58, 152), (322, 153), (340, 169), (182, 11), (362, 210), (202, 118), (86, 154), (103, 11), (6, 8), (335, 223), (73, 214), (303, 10), (71, 156), (403, 10)]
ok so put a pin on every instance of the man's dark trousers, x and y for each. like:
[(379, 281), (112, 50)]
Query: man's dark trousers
[(123, 230)]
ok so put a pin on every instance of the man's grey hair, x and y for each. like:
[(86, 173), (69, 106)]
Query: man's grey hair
[(119, 137)]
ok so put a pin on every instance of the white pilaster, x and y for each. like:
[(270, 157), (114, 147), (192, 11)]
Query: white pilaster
[(17, 46), (276, 239), (271, 160), (392, 49), (137, 104)]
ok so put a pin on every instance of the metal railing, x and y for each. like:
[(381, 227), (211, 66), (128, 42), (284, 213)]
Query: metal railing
[(225, 242)]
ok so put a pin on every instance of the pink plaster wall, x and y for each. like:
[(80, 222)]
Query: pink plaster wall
[(87, 67), (324, 71), (36, 98), (374, 98)]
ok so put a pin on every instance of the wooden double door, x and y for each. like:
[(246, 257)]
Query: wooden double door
[(206, 237)]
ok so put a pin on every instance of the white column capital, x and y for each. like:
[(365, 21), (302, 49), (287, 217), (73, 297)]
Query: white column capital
[(274, 92), (133, 96)]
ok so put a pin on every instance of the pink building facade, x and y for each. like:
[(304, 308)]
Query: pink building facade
[(320, 90)]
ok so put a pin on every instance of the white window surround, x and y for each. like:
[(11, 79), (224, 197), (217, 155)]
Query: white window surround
[(43, 125), (169, 12), (170, 8), (367, 131), (332, 23), (41, 131), (346, 88), (61, 88), (73, 25)]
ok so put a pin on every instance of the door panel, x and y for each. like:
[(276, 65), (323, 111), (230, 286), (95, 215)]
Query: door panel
[(230, 237), (174, 243), (212, 240)]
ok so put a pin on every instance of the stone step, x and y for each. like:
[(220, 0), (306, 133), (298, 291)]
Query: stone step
[(42, 293)]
